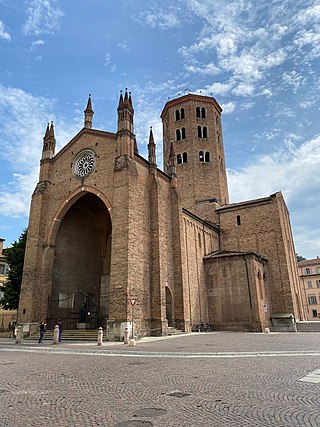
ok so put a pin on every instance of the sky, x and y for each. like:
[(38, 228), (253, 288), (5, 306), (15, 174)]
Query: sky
[(258, 58)]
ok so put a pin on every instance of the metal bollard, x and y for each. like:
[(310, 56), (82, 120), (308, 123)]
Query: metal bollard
[(56, 335), (19, 335), (126, 336), (100, 336)]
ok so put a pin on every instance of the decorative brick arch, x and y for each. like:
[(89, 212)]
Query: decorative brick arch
[(65, 206)]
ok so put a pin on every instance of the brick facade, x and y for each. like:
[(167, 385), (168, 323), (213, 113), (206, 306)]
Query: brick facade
[(106, 225)]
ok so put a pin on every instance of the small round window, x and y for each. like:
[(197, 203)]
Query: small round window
[(84, 163)]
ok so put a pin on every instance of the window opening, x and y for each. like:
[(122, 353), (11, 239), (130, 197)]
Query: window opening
[(207, 157), (198, 111), (238, 220), (199, 132), (183, 131), (204, 132), (178, 134), (179, 159), (203, 112), (182, 113), (201, 158), (177, 115), (184, 158)]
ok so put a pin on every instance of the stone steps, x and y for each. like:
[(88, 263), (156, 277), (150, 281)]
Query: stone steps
[(74, 335)]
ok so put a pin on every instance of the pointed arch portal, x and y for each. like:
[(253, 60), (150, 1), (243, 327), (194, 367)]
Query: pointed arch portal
[(81, 266)]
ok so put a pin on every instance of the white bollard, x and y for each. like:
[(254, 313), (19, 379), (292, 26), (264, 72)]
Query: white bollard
[(132, 342), (100, 336), (266, 330), (126, 335), (19, 335), (56, 335)]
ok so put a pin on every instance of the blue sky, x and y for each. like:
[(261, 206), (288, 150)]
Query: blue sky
[(259, 59)]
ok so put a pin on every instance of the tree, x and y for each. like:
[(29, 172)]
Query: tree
[(300, 258), (11, 287)]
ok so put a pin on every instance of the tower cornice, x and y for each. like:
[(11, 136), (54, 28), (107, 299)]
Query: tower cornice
[(191, 97)]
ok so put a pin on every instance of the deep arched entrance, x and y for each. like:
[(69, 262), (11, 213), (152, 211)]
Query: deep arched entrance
[(81, 267)]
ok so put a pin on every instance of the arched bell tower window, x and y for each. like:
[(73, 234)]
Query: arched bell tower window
[(198, 111), (238, 220), (203, 112), (183, 133), (202, 131), (201, 156), (207, 156), (179, 114), (178, 134), (182, 158)]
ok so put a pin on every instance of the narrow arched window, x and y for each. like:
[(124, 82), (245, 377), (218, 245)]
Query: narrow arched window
[(198, 111), (178, 134), (183, 133), (201, 157), (203, 112), (199, 132), (184, 158), (204, 132), (238, 220), (219, 139), (179, 159), (207, 157), (177, 115), (182, 113)]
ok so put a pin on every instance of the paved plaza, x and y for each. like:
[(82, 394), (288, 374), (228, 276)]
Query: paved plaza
[(205, 379)]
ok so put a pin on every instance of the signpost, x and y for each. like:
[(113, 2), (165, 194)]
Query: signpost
[(132, 341)]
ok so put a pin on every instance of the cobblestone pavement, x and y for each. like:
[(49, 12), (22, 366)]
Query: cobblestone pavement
[(206, 379)]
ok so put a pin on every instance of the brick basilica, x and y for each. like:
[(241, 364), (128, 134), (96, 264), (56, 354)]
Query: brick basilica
[(107, 225)]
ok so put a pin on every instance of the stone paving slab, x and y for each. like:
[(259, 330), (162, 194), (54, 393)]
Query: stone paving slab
[(232, 379)]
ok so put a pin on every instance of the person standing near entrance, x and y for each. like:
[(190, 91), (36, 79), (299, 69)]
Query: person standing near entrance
[(42, 331), (59, 323)]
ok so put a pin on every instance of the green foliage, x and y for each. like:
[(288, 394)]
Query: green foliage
[(11, 287), (300, 258)]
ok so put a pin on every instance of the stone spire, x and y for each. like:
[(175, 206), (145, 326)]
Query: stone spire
[(152, 149), (125, 136), (49, 143), (88, 114)]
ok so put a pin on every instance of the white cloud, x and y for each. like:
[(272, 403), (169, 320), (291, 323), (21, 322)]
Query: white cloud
[(292, 170), (37, 43), (4, 35), (108, 63), (219, 88), (155, 17), (228, 108), (23, 119), (43, 17), (206, 69), (124, 45)]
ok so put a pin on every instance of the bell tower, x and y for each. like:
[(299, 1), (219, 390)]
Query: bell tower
[(193, 123)]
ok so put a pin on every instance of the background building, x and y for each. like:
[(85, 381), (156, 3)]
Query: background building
[(107, 225), (309, 272)]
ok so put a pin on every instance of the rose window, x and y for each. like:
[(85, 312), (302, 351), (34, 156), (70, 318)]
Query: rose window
[(84, 163)]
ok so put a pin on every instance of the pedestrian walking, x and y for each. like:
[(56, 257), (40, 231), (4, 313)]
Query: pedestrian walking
[(60, 329), (42, 331)]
